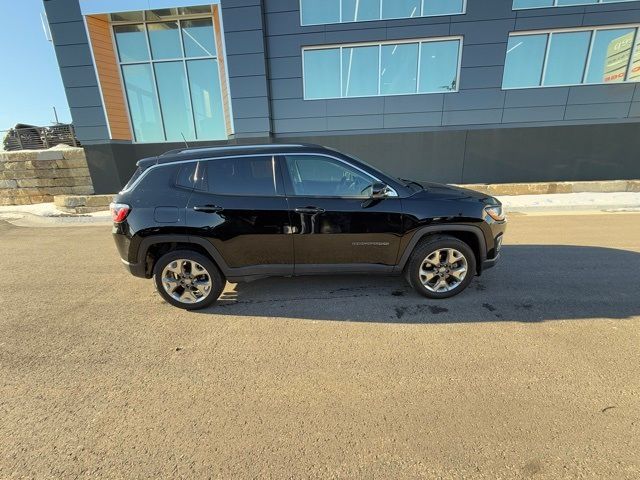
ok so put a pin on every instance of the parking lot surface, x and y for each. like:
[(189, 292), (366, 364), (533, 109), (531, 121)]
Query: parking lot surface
[(534, 371)]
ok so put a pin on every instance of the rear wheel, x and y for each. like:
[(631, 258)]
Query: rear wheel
[(441, 267), (187, 279)]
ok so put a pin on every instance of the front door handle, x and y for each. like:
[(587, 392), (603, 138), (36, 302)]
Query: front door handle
[(310, 210), (208, 208)]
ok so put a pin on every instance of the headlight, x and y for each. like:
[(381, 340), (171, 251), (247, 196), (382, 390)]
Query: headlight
[(496, 212)]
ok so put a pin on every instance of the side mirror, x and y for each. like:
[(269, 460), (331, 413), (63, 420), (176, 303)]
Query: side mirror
[(379, 190)]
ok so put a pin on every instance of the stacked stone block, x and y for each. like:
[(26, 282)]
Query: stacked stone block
[(35, 176)]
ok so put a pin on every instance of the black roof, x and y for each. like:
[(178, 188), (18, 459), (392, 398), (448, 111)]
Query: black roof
[(229, 151)]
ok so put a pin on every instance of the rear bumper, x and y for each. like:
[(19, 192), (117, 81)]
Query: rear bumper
[(135, 269)]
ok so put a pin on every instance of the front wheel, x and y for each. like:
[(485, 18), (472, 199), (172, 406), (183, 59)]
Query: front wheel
[(187, 279), (441, 267)]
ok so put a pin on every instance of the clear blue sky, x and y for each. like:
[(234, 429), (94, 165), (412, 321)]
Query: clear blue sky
[(30, 82)]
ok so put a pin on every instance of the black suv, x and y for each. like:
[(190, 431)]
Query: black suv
[(193, 218)]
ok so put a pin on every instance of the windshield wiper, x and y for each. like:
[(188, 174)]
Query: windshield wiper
[(409, 182)]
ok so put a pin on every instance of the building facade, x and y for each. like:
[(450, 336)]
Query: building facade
[(457, 91)]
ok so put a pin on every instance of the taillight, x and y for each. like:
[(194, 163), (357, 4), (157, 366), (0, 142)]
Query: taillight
[(119, 212)]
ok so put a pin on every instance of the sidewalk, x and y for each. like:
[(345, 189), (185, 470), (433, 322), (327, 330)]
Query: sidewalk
[(47, 214)]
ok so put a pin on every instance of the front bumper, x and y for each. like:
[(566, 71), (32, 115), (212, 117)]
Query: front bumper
[(491, 262)]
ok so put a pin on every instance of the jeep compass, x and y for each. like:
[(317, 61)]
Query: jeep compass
[(193, 219)]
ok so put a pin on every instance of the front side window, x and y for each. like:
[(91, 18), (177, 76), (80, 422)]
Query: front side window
[(171, 77), (253, 176), (522, 4), (318, 12), (319, 176), (585, 56), (365, 70)]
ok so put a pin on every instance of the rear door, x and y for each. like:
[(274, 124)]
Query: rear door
[(240, 207), (332, 218)]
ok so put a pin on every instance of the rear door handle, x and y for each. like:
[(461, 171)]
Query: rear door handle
[(310, 210), (208, 208)]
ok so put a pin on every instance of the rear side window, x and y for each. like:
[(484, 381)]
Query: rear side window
[(134, 177), (240, 176), (187, 175)]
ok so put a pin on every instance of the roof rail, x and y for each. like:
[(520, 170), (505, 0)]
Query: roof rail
[(233, 147)]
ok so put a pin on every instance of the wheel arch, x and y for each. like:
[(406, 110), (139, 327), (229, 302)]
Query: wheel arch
[(470, 234)]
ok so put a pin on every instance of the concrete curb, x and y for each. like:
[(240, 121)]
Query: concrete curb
[(544, 188)]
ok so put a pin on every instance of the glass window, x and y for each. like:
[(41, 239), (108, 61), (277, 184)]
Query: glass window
[(318, 176), (187, 175), (401, 8), (525, 58), (322, 73), (360, 71), (199, 40), (360, 10), (316, 12), (143, 104), (442, 7), (610, 56), (241, 176), (164, 39), (132, 43), (634, 71), (532, 3), (399, 69), (174, 100), (207, 99), (567, 58), (127, 17), (439, 66)]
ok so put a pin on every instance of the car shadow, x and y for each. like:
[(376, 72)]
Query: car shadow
[(532, 283)]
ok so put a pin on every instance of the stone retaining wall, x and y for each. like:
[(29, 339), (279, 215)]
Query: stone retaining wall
[(35, 176)]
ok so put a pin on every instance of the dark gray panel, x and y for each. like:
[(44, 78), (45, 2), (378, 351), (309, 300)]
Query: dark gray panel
[(357, 35), (533, 97), (84, 76), (300, 125), (280, 5), (634, 111), (472, 117), (488, 10), (587, 152), (603, 110), (239, 19), (355, 106), (286, 67), (549, 22), (414, 103), (250, 41), (251, 125), (291, 45), (287, 23), (484, 55), (68, 33), (297, 108), (84, 97), (418, 31), (87, 134), (74, 55), (413, 120), (492, 31), (357, 122), (286, 88), (601, 93), (533, 114), (481, 77), (485, 98), (62, 10), (243, 87), (611, 18), (250, 108), (251, 64), (88, 116)]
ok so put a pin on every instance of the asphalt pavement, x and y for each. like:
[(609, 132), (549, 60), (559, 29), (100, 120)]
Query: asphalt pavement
[(534, 371)]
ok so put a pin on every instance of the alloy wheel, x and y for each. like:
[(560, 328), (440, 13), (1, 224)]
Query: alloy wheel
[(443, 270), (186, 281)]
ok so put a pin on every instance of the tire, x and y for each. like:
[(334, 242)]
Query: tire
[(191, 280), (428, 280)]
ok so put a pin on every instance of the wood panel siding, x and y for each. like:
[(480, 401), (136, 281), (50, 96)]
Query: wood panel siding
[(104, 55), (222, 70)]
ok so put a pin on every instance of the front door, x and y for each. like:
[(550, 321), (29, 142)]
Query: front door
[(240, 207), (333, 219)]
